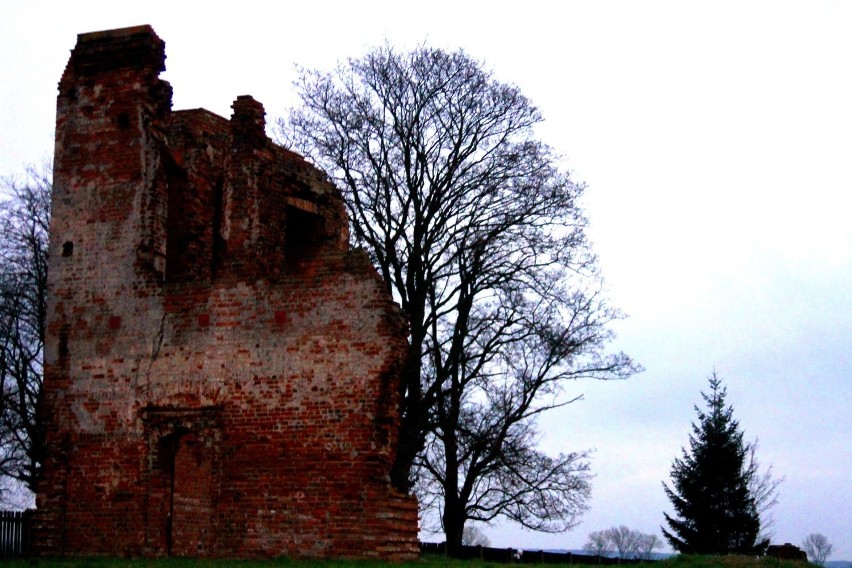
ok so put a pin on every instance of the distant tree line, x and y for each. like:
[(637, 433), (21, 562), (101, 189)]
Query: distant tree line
[(622, 542)]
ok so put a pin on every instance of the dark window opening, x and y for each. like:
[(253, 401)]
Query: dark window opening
[(123, 121), (63, 345), (304, 236), (180, 225), (218, 240), (68, 249)]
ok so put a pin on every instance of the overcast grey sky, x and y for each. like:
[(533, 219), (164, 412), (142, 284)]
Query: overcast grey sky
[(715, 139)]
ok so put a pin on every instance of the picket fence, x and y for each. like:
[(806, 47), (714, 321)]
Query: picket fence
[(14, 534)]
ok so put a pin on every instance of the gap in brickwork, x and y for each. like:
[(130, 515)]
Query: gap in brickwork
[(303, 238), (218, 246)]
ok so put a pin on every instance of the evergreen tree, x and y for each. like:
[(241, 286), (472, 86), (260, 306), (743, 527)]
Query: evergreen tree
[(715, 510)]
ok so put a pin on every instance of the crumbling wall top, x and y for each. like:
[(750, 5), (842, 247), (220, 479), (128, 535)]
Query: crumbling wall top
[(248, 123), (136, 47)]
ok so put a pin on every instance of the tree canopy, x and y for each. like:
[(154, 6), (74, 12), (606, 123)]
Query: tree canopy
[(817, 548), (24, 218), (480, 236), (716, 509)]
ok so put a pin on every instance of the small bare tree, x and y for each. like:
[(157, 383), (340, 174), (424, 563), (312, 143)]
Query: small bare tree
[(646, 544), (625, 541), (817, 547), (763, 487), (599, 543), (473, 536)]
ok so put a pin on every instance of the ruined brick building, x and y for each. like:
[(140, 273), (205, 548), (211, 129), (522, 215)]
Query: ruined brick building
[(221, 370)]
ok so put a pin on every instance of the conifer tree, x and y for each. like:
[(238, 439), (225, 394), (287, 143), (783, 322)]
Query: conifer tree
[(715, 510)]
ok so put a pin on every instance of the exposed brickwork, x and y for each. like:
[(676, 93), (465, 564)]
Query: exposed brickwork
[(221, 370)]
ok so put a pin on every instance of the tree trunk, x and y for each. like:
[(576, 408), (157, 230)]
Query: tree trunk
[(453, 527), (454, 506), (410, 439)]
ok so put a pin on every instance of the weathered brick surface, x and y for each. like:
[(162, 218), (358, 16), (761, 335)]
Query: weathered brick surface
[(221, 370)]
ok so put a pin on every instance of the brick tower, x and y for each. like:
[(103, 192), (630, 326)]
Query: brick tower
[(221, 370)]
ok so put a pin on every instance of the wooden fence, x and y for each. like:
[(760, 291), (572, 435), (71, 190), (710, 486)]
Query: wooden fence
[(515, 556), (14, 534)]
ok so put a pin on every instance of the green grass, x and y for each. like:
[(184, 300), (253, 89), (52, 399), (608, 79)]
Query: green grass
[(218, 563), (728, 562), (429, 562)]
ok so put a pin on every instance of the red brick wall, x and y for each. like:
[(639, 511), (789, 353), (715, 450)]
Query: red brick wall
[(220, 370)]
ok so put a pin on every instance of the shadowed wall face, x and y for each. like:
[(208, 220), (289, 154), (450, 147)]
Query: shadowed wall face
[(221, 371)]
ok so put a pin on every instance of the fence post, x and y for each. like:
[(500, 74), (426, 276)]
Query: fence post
[(26, 523)]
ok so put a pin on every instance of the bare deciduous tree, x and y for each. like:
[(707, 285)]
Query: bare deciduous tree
[(24, 218), (473, 536), (480, 237), (763, 487), (817, 547), (625, 542), (647, 544), (599, 543)]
